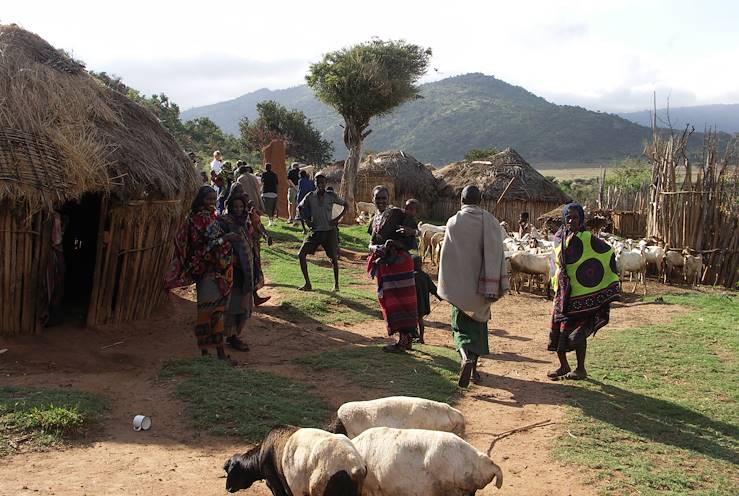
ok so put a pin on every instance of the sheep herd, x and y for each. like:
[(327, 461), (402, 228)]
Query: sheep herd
[(399, 446), (532, 255)]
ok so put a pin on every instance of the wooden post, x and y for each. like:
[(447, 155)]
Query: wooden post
[(274, 153)]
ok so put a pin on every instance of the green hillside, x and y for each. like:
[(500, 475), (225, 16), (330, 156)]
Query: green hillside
[(460, 113)]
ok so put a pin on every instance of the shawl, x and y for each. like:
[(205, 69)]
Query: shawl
[(242, 250), (200, 250), (384, 227), (472, 270), (586, 279), (251, 187)]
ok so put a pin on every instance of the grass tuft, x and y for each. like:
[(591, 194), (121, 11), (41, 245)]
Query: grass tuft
[(223, 400), (427, 372), (44, 417)]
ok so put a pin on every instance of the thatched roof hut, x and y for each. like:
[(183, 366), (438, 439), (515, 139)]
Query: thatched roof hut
[(70, 145), (406, 176), (505, 176)]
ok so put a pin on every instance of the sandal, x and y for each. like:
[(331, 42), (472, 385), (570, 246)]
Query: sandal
[(576, 375), (259, 300), (556, 374)]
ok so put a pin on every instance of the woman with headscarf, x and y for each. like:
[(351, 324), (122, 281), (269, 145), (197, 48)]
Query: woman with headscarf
[(203, 255), (239, 309), (392, 264), (585, 282)]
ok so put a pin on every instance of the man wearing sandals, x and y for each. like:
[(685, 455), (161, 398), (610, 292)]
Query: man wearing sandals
[(472, 275), (316, 208)]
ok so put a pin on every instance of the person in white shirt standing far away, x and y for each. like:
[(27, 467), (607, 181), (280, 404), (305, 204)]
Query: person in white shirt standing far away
[(216, 166)]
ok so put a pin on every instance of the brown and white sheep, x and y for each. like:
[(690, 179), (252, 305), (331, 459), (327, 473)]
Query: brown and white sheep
[(295, 461)]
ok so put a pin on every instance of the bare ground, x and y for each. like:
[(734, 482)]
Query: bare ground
[(173, 459)]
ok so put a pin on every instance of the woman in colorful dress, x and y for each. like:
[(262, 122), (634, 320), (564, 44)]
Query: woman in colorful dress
[(392, 264), (240, 304), (585, 282), (203, 255)]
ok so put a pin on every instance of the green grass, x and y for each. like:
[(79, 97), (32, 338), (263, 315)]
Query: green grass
[(356, 302), (222, 400), (660, 414), (44, 417), (428, 371)]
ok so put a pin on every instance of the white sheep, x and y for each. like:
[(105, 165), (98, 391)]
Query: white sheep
[(635, 262), (369, 208), (295, 461), (655, 255), (402, 412), (529, 263), (425, 233), (692, 268), (673, 260), (415, 462)]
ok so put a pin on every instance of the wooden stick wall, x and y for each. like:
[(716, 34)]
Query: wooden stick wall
[(136, 249), (25, 242)]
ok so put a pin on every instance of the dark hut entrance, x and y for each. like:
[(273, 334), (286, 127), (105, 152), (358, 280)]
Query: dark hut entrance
[(80, 239)]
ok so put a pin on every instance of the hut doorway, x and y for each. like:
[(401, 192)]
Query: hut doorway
[(82, 222)]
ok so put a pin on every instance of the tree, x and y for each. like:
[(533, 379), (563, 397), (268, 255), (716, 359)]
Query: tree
[(303, 140), (362, 82), (480, 153), (206, 135)]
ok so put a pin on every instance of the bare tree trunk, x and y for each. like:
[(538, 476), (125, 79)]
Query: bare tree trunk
[(353, 141)]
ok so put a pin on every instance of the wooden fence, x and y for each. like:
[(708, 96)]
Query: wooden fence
[(700, 214), (25, 244), (629, 224), (620, 199), (507, 210)]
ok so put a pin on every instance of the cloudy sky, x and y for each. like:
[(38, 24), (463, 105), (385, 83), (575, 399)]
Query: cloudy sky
[(601, 54)]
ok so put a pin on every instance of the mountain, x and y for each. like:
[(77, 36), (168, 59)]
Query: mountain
[(723, 117), (457, 114)]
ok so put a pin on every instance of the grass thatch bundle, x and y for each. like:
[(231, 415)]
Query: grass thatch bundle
[(494, 175), (62, 133), (410, 177)]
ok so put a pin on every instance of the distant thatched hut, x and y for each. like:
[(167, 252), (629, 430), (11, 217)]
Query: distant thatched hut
[(505, 176), (404, 176), (70, 145)]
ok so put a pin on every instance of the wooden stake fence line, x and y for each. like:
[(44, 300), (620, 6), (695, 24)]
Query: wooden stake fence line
[(702, 215)]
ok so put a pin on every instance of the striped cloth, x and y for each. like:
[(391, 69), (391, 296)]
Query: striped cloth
[(396, 292)]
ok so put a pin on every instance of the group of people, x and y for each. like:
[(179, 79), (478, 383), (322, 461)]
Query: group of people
[(473, 275), (221, 255)]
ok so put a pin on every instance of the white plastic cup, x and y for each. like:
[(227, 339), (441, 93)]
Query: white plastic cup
[(141, 422)]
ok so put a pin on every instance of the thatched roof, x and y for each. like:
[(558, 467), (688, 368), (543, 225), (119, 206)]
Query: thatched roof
[(333, 173), (493, 175), (408, 174), (63, 133)]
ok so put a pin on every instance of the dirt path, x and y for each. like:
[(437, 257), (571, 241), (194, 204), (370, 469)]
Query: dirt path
[(171, 459)]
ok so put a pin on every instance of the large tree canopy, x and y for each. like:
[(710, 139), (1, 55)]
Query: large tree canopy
[(303, 140), (365, 81), (369, 79)]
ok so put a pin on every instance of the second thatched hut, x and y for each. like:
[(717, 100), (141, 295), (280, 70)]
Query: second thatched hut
[(403, 175), (508, 183)]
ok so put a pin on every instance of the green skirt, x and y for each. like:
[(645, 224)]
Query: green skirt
[(469, 333)]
